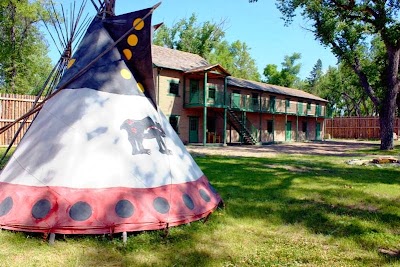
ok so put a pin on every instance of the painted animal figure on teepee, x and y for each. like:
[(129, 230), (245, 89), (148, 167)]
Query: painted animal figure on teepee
[(75, 171)]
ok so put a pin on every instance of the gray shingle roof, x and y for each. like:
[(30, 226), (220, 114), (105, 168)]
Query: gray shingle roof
[(175, 59), (183, 61), (275, 89)]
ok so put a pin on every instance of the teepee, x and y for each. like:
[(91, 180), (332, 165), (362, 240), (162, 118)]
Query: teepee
[(99, 156)]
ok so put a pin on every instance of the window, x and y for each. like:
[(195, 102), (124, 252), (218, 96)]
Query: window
[(211, 92), (272, 103), (288, 102), (304, 126), (300, 110), (309, 106), (174, 87), (317, 110), (174, 121), (270, 126), (254, 97)]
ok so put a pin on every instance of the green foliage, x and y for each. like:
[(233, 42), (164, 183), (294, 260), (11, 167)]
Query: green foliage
[(24, 64), (348, 28), (206, 40), (315, 75), (189, 36), (236, 59), (287, 76), (341, 87)]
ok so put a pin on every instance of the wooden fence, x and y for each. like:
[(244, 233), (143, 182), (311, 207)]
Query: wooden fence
[(356, 127), (12, 107)]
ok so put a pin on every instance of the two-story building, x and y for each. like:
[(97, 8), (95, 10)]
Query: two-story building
[(205, 104)]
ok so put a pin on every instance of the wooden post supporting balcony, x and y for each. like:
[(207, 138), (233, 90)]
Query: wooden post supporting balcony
[(225, 112)]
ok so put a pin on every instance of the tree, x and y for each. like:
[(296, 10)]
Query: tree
[(346, 26), (315, 75), (236, 59), (287, 76), (340, 86), (206, 40), (24, 64), (188, 36)]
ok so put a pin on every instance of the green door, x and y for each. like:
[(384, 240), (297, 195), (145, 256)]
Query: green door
[(193, 129), (272, 104), (236, 100), (288, 136), (194, 92), (318, 131)]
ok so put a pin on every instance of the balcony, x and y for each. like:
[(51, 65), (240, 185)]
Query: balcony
[(247, 103)]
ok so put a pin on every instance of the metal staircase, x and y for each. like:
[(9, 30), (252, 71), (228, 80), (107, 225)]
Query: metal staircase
[(244, 129)]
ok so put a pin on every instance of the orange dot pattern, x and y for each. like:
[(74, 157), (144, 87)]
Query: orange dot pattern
[(132, 41)]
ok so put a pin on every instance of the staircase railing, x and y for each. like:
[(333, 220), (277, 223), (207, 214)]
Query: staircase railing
[(246, 129)]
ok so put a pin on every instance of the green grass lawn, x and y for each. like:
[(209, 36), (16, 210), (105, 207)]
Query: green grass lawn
[(280, 211)]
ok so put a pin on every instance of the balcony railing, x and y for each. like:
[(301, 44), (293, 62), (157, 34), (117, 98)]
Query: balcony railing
[(248, 103)]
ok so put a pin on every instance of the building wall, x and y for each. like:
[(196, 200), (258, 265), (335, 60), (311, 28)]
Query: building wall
[(173, 105)]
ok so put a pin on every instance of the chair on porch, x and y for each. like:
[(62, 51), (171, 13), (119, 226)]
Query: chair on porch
[(213, 137)]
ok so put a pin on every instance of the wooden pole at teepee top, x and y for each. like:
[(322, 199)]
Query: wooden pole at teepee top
[(110, 7)]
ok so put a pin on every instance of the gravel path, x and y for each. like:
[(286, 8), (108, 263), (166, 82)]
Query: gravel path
[(331, 147)]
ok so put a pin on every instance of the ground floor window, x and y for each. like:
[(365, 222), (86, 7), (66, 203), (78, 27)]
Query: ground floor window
[(174, 121), (304, 126), (270, 126)]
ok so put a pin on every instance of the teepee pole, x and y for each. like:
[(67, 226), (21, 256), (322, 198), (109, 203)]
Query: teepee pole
[(57, 67), (77, 75)]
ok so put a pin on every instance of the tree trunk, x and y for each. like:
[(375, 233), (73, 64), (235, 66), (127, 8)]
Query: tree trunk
[(386, 123), (388, 106)]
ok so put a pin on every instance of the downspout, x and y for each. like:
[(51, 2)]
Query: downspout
[(184, 91), (297, 121), (286, 121), (205, 110)]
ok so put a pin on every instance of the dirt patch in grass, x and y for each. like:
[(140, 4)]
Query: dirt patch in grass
[(323, 148)]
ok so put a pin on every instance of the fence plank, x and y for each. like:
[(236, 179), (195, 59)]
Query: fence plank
[(12, 107), (357, 127)]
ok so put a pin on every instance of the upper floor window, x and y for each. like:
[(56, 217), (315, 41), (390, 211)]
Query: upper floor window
[(287, 102), (211, 92), (300, 110), (272, 103), (174, 87), (254, 97), (317, 110), (309, 106)]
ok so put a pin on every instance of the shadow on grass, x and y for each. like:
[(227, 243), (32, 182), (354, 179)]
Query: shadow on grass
[(324, 197), (352, 203)]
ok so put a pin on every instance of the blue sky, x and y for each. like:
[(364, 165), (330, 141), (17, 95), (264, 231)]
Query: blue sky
[(258, 25)]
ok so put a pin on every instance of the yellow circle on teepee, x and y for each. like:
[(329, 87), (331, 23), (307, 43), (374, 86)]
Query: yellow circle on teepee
[(140, 87), (138, 24), (133, 40), (70, 63), (126, 74), (127, 53)]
